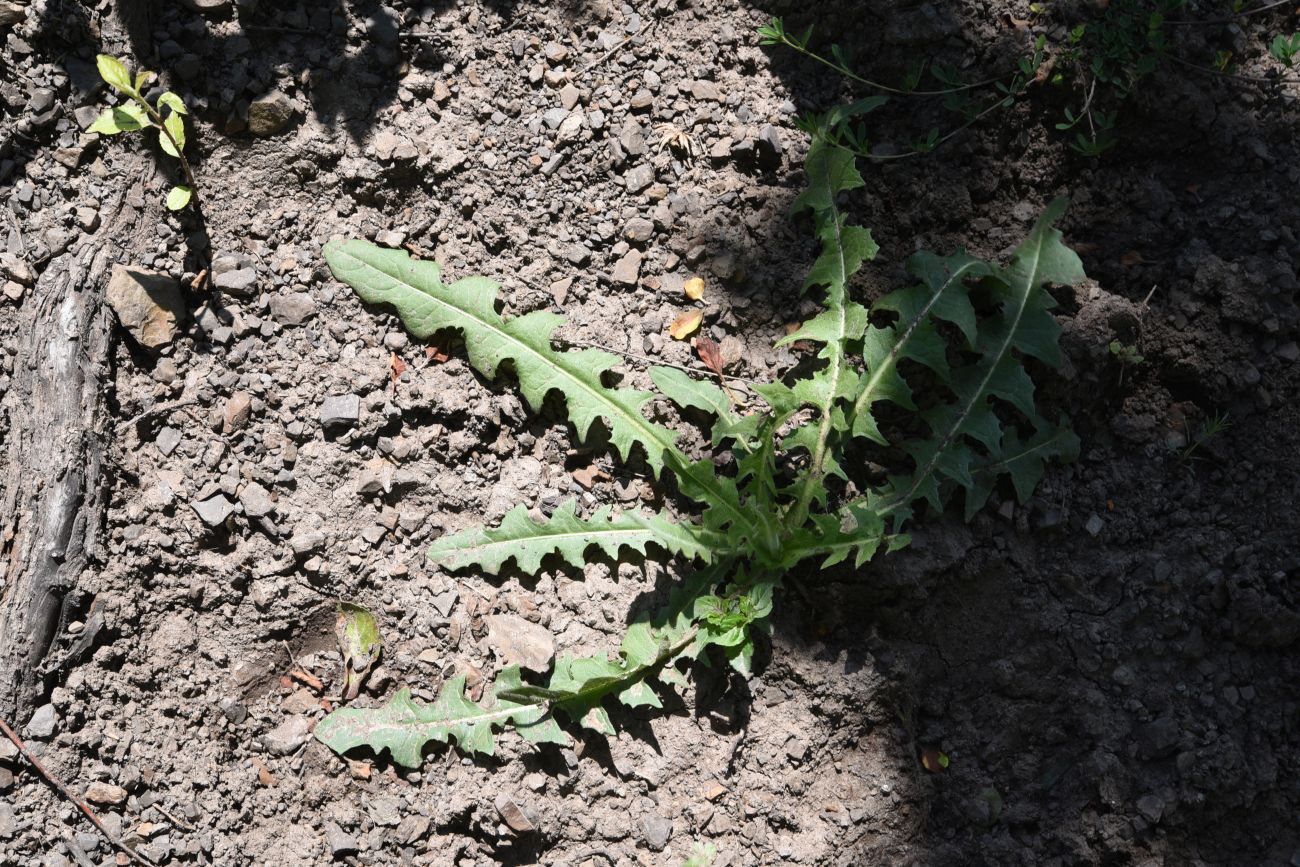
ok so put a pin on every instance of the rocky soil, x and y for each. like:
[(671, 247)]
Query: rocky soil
[(1111, 669)]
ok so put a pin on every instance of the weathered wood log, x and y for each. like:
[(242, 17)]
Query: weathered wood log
[(53, 494), (52, 501)]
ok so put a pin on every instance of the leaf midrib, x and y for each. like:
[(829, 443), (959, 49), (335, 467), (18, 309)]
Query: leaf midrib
[(891, 360), (1030, 282), (715, 496)]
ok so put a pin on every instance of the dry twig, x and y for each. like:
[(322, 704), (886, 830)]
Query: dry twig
[(63, 790)]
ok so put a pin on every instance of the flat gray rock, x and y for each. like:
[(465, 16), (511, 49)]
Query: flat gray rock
[(214, 511), (340, 411), (147, 303)]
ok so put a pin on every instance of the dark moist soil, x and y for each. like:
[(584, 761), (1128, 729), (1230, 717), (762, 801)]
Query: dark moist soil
[(1111, 668)]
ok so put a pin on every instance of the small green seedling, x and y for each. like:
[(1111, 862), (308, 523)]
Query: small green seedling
[(702, 855), (1213, 427), (136, 113), (1128, 356), (1285, 49)]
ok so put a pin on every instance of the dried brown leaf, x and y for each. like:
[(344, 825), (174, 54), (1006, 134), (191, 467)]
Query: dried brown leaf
[(710, 354)]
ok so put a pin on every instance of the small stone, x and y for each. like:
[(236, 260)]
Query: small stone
[(8, 751), (288, 736), (702, 89), (1158, 738), (241, 281), (8, 824), (570, 127), (270, 114), (234, 415), (656, 831), (1152, 807), (560, 289), (520, 819), (233, 710), (385, 811), (87, 219), (631, 139), (340, 411), (105, 794), (641, 101), (768, 149), (42, 724), (569, 96), (516, 641), (304, 543), (441, 92), (256, 500), (168, 439), (639, 230), (147, 303), (295, 308), (639, 177), (628, 269), (340, 842), (215, 510), (1094, 525)]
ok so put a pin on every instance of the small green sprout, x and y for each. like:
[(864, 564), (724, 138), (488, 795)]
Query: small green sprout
[(1213, 427), (1128, 356), (137, 114), (1285, 49)]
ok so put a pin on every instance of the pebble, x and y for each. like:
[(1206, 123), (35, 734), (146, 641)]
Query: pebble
[(270, 114), (105, 794), (147, 303), (340, 411), (288, 736), (256, 500), (87, 219), (516, 641), (241, 281), (43, 723), (703, 90), (307, 543), (520, 819), (639, 230), (235, 413), (341, 843), (385, 811), (214, 511), (1157, 738), (639, 177), (569, 96), (628, 269), (1095, 525), (8, 824), (168, 439), (1152, 807), (656, 831), (768, 149), (294, 308)]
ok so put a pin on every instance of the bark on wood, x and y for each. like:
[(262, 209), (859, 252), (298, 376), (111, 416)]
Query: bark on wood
[(53, 495), (52, 501)]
